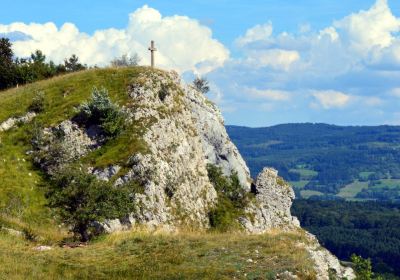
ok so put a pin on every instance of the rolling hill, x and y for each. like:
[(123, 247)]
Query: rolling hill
[(326, 161)]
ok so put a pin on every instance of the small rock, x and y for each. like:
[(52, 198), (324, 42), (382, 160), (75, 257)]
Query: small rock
[(43, 248), (12, 231)]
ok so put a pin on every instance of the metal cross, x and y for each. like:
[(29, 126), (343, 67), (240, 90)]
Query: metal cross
[(152, 49)]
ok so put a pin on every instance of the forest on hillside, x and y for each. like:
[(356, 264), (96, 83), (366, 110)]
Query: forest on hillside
[(369, 229), (325, 161)]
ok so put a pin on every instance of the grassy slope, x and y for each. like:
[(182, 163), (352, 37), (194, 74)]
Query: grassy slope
[(143, 255), (22, 203)]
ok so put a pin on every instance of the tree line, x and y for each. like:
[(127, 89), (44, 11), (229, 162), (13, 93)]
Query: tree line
[(19, 71)]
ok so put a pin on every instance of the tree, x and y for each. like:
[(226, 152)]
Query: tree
[(81, 200), (201, 84), (125, 61), (38, 57), (7, 68), (39, 68), (101, 111), (72, 65), (363, 268)]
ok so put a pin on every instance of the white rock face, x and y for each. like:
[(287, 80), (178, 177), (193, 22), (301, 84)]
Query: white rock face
[(11, 122), (217, 147), (272, 206), (63, 144), (106, 173), (325, 261), (177, 190)]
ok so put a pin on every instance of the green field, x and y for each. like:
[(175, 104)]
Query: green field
[(305, 174), (351, 190), (307, 193), (340, 154), (390, 183), (299, 184)]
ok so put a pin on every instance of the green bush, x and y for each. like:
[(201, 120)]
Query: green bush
[(232, 200), (37, 104), (363, 268), (100, 110), (80, 200)]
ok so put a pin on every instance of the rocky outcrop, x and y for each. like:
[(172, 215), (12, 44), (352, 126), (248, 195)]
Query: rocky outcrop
[(326, 264), (173, 171), (105, 174), (271, 208), (217, 147), (183, 132), (62, 144), (11, 122)]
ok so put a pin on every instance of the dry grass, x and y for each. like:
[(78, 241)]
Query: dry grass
[(160, 255)]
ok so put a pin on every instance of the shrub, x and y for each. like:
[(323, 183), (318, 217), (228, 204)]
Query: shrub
[(232, 200), (363, 268), (81, 199), (163, 92), (37, 104), (102, 112), (125, 61), (201, 84)]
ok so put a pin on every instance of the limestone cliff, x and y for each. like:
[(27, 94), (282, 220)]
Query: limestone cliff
[(184, 132)]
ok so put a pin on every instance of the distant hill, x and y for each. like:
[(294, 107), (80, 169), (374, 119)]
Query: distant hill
[(326, 161)]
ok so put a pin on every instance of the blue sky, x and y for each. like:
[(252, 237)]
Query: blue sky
[(268, 61)]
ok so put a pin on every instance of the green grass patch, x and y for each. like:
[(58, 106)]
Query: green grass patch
[(308, 193), (389, 183), (299, 184), (351, 190), (22, 201), (64, 93), (143, 255), (305, 174)]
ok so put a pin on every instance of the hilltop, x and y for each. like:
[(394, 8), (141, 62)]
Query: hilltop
[(78, 143)]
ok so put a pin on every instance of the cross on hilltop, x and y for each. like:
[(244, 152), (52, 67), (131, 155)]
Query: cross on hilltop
[(152, 49)]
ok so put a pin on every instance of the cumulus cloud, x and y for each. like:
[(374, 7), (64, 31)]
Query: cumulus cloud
[(268, 94), (351, 65), (183, 43), (330, 99), (274, 58), (257, 33), (369, 29)]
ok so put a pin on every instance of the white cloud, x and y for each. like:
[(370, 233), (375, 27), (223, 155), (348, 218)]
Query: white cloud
[(268, 94), (331, 32), (330, 99), (274, 58), (349, 65), (372, 101), (183, 43), (395, 92), (370, 29), (256, 33)]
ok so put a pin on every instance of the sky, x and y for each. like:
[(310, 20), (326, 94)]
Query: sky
[(267, 61)]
